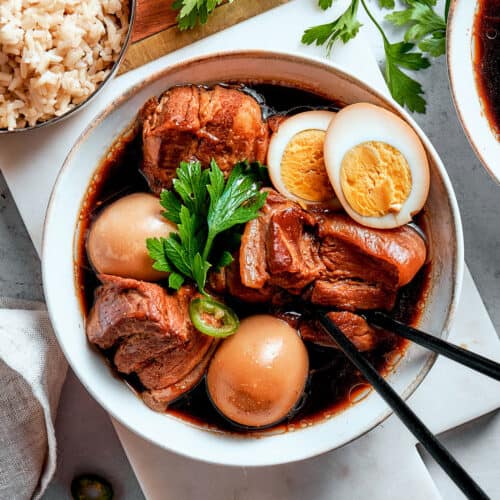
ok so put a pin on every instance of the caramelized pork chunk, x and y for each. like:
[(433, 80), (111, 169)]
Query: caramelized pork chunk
[(279, 248), (327, 258), (151, 334), (125, 307), (354, 327), (194, 123), (364, 267)]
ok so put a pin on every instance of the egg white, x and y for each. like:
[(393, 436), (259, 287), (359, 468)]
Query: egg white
[(363, 122), (308, 120)]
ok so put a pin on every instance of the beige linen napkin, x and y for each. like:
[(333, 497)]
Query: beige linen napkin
[(32, 371)]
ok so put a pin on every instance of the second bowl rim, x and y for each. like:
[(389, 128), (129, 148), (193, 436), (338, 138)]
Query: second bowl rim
[(450, 28)]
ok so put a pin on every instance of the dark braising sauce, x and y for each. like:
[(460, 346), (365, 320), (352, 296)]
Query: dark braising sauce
[(487, 59), (333, 383)]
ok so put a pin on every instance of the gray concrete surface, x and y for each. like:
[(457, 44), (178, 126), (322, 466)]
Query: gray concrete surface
[(87, 442), (20, 274)]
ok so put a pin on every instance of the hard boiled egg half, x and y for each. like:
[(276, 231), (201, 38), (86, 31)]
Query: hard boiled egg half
[(377, 166), (295, 158)]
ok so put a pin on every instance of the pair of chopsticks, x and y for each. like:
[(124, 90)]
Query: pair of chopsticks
[(479, 363), (472, 360)]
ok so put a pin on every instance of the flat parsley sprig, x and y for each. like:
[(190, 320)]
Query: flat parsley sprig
[(405, 90), (424, 27), (192, 12), (204, 205), (345, 27)]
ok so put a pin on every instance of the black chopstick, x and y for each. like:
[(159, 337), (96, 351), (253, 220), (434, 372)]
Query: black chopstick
[(463, 356), (454, 470)]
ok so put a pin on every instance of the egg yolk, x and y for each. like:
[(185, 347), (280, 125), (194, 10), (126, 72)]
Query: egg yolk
[(375, 179), (303, 169)]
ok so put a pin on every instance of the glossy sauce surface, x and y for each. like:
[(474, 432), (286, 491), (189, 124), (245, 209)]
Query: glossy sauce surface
[(487, 59), (333, 384)]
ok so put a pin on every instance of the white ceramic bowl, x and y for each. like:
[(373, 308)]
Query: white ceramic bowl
[(59, 260), (460, 53)]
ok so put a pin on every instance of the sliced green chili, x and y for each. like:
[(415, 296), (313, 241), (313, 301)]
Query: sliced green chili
[(212, 317)]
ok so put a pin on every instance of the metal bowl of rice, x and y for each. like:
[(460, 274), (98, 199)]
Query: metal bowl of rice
[(56, 55)]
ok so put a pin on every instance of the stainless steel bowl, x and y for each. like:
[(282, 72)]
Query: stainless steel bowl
[(114, 69)]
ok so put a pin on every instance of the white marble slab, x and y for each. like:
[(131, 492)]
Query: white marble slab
[(366, 468)]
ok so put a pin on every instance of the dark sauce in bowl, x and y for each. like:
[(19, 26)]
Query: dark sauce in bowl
[(487, 59), (333, 384)]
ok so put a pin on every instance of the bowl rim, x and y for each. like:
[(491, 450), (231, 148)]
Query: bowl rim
[(296, 57), (97, 91), (474, 143)]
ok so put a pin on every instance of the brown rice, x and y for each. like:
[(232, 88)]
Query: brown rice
[(54, 54)]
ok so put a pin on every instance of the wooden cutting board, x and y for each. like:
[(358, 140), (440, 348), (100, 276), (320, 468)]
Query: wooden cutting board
[(155, 32)]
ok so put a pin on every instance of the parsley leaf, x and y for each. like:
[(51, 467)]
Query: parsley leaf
[(192, 12), (235, 203), (424, 25), (225, 259), (325, 4), (425, 32), (204, 205), (386, 4), (172, 206), (157, 253), (190, 186), (434, 45), (404, 89), (400, 55), (176, 256), (345, 27), (175, 280), (200, 270)]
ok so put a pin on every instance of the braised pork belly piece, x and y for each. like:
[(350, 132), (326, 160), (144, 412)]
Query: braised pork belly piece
[(152, 336), (194, 123), (364, 267), (278, 249), (327, 258), (159, 399), (356, 329)]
